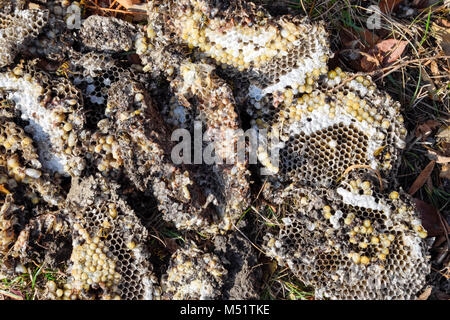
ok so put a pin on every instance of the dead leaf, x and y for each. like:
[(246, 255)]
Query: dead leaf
[(433, 155), (425, 294), (128, 3), (358, 49), (422, 178), (391, 50), (445, 171), (430, 219), (444, 23), (369, 38), (425, 129), (369, 62), (387, 6), (434, 68), (442, 36)]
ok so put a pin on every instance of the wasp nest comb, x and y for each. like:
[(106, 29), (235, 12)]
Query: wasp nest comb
[(17, 29), (346, 122), (270, 53), (110, 253), (115, 34), (52, 108), (201, 101), (21, 163), (193, 274), (353, 242)]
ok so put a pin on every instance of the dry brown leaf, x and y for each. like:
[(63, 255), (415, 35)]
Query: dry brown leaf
[(439, 158), (425, 129), (387, 6), (368, 62), (442, 36), (368, 37), (422, 178), (434, 68), (391, 50), (430, 219), (444, 23), (425, 294), (128, 3)]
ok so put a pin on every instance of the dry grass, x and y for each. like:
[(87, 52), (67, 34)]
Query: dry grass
[(418, 79)]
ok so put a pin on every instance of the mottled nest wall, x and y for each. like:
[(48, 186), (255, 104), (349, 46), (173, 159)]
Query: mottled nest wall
[(84, 134)]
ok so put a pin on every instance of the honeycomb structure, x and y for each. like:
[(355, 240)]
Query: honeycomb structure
[(144, 151), (22, 165), (226, 178), (229, 271), (56, 41), (61, 291), (16, 29), (353, 242), (53, 109), (193, 275), (8, 6), (116, 35), (270, 53), (110, 253), (346, 122), (87, 118), (93, 75), (200, 97), (8, 219)]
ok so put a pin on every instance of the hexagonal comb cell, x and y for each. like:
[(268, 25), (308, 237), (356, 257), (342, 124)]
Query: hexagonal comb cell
[(353, 243), (110, 257), (270, 53), (345, 123), (193, 274), (52, 109), (16, 29)]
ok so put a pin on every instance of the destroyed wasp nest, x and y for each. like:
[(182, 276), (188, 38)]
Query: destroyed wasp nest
[(17, 28), (353, 242), (193, 274), (52, 108), (109, 249), (342, 235), (84, 132), (345, 122), (269, 53)]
